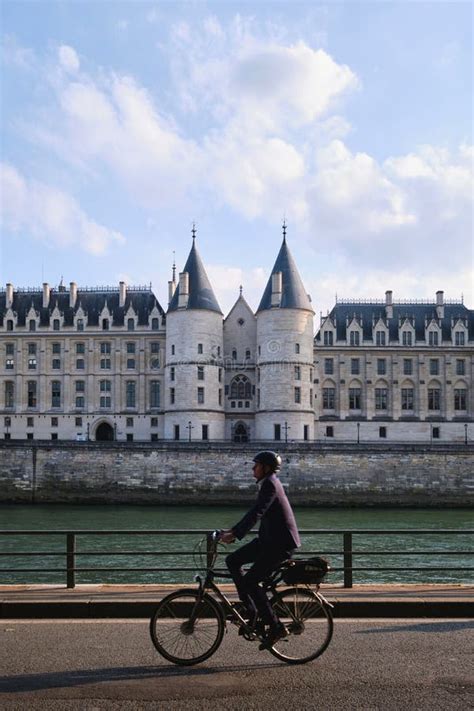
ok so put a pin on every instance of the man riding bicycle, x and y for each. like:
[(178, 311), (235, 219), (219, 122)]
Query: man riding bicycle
[(277, 538)]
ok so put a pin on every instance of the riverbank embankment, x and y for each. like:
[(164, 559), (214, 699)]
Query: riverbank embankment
[(392, 474)]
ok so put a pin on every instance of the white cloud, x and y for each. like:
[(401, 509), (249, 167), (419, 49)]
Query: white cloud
[(16, 56), (50, 215), (68, 58), (226, 281)]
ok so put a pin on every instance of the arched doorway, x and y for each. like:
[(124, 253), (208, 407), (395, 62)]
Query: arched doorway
[(104, 432), (241, 433)]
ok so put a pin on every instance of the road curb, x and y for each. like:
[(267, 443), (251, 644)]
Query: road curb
[(141, 609)]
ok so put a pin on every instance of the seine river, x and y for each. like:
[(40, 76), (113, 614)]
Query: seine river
[(133, 548)]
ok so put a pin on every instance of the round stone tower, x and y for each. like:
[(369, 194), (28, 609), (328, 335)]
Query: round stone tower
[(194, 380), (285, 408)]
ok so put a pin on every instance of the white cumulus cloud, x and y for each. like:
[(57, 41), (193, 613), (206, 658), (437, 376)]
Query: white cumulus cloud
[(68, 58), (49, 214)]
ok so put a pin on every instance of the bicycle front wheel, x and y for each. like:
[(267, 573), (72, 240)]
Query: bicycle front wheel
[(308, 622), (187, 627)]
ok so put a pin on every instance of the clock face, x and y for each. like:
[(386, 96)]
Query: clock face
[(155, 363)]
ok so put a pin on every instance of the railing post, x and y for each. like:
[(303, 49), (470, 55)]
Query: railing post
[(210, 545), (347, 560), (70, 560)]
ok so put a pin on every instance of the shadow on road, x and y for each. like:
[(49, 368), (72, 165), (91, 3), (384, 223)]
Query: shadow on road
[(78, 677), (435, 627)]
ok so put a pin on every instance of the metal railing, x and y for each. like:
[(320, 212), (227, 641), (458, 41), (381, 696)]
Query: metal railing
[(71, 553)]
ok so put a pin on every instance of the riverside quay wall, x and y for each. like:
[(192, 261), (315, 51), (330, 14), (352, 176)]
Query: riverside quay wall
[(350, 475)]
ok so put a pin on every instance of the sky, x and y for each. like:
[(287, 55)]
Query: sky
[(122, 123)]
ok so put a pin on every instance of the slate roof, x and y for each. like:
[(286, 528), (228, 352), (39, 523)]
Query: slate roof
[(92, 302), (366, 313), (201, 295), (294, 295)]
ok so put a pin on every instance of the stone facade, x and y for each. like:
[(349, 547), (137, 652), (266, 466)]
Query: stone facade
[(166, 473), (109, 363)]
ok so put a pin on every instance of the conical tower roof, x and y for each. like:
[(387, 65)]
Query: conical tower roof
[(294, 295), (201, 295)]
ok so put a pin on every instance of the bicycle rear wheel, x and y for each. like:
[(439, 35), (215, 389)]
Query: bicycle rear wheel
[(308, 622), (187, 628)]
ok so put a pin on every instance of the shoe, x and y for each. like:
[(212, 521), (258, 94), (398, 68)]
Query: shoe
[(273, 635)]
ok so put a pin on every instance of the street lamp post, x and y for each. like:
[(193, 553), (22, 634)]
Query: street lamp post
[(189, 428)]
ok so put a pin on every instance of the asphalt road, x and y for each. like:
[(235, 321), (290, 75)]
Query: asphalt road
[(103, 664)]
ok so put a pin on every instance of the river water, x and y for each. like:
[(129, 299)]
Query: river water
[(129, 551)]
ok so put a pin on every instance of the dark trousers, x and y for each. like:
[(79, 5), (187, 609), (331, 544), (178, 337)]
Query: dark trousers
[(264, 560)]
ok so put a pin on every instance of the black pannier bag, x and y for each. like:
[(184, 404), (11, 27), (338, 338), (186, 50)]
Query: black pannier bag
[(311, 571)]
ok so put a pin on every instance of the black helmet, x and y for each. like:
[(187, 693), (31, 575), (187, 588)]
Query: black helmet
[(269, 459)]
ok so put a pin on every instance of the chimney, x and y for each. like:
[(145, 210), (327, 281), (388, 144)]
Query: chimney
[(122, 293), (72, 294), (9, 296), (276, 288), (183, 290), (440, 304), (171, 290), (46, 292), (388, 304)]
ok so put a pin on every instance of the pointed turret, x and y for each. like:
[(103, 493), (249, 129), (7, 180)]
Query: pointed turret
[(196, 286), (285, 289)]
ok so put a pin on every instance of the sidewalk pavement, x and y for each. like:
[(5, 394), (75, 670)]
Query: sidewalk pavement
[(120, 601)]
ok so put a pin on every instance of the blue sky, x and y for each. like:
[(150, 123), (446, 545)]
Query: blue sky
[(124, 122)]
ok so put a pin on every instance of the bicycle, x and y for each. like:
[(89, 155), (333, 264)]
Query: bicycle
[(188, 625)]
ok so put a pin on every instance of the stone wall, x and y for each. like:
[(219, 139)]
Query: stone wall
[(218, 474)]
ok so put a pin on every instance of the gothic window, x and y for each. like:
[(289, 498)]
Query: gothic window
[(56, 324), (355, 397), (434, 398), (240, 388), (56, 393), (381, 398), (130, 393), (32, 325), (328, 338), (433, 338), (10, 325), (154, 393), (80, 324), (460, 399), (9, 393), (105, 324), (408, 398), (155, 324), (459, 338), (130, 324), (329, 398)]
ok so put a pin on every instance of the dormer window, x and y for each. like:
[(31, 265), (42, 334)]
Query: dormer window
[(56, 324), (380, 339), (130, 324), (10, 324), (105, 324), (433, 338), (328, 338), (80, 324), (407, 338), (459, 338), (354, 338), (155, 324), (32, 325)]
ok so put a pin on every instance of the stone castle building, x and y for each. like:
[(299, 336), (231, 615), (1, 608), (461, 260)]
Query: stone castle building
[(110, 363)]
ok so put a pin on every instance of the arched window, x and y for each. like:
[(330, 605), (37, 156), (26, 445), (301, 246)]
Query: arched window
[(240, 388)]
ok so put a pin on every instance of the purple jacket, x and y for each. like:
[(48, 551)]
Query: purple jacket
[(278, 529)]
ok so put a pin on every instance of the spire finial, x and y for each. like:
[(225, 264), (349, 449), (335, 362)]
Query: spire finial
[(193, 231), (284, 229), (241, 288), (174, 267)]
